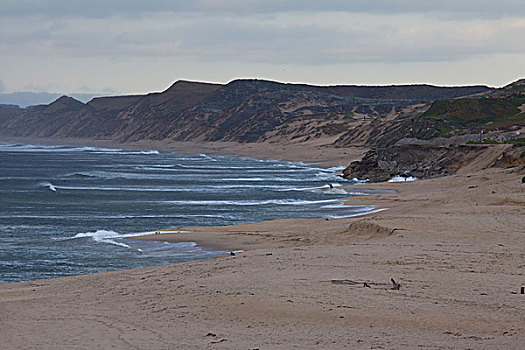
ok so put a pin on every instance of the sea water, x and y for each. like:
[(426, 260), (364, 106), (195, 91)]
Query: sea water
[(66, 210)]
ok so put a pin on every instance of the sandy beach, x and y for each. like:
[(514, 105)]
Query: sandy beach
[(456, 246)]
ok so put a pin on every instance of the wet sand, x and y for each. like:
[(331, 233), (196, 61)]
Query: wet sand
[(455, 244)]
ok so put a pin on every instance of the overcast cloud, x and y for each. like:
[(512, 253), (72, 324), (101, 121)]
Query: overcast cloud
[(137, 8), (132, 46)]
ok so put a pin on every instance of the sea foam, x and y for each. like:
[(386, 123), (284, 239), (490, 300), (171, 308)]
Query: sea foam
[(103, 236), (112, 237), (252, 202), (399, 178), (48, 185), (13, 147)]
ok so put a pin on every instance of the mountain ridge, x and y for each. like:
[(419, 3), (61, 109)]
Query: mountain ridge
[(244, 110)]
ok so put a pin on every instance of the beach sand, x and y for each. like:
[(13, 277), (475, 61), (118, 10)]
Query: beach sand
[(455, 244)]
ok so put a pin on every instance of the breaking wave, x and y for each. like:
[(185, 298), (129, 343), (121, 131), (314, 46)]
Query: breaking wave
[(48, 185), (115, 238), (15, 147), (103, 236), (253, 202), (399, 178)]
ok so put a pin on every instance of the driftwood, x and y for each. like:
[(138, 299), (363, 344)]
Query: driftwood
[(346, 282), (394, 285)]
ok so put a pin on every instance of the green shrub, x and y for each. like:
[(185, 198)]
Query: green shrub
[(476, 112)]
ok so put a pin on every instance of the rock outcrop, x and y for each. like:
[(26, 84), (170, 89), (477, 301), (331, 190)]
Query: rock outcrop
[(381, 164)]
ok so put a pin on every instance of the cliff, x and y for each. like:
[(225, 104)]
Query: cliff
[(411, 129), (441, 137), (242, 111)]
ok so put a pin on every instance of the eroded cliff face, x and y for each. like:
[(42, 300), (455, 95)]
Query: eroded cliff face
[(242, 111), (439, 138)]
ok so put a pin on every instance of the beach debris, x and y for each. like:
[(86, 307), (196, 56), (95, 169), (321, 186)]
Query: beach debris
[(522, 289), (346, 282), (269, 254), (396, 285), (210, 334)]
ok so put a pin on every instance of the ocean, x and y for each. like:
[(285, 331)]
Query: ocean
[(66, 210)]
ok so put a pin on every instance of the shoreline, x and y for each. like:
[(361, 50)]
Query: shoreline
[(455, 244), (319, 153), (291, 152)]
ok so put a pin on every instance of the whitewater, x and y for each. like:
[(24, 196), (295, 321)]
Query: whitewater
[(72, 210)]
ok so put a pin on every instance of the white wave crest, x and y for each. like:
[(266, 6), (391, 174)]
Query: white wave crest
[(399, 178), (332, 188), (48, 185), (63, 148), (103, 236), (253, 203), (112, 237), (247, 169), (207, 157), (357, 181)]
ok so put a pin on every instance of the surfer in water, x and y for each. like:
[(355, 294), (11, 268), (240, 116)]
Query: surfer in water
[(331, 186)]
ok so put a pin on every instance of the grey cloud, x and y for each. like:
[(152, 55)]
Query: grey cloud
[(139, 8), (2, 86), (274, 39)]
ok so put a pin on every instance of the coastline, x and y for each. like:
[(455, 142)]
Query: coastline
[(456, 245), (318, 152)]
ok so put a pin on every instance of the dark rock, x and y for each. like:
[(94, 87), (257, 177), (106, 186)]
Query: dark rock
[(381, 164)]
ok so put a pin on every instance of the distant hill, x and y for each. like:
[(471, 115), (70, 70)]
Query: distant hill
[(244, 110), (9, 111), (25, 99)]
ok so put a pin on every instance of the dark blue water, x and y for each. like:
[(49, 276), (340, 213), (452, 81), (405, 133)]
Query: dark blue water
[(65, 210)]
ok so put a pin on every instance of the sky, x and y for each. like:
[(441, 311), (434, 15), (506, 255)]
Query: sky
[(137, 46)]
